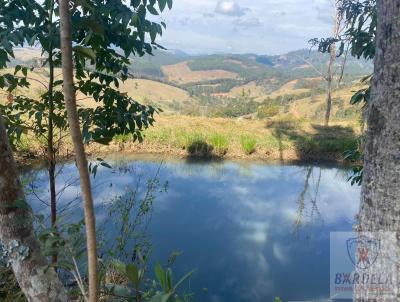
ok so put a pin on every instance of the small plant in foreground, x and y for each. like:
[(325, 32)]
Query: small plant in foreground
[(248, 144), (220, 143)]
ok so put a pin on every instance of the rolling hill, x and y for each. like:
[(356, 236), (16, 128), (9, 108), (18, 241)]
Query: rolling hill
[(229, 85)]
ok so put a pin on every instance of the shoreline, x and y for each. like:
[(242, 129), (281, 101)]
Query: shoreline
[(284, 140), (144, 151)]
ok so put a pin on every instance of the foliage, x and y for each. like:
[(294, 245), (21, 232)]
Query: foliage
[(361, 23), (105, 36), (98, 64), (123, 263), (248, 144), (267, 111), (129, 213), (220, 143), (9, 288), (354, 156)]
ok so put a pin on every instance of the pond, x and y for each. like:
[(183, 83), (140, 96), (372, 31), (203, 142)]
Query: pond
[(252, 230)]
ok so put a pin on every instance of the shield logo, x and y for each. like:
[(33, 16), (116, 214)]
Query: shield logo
[(363, 251)]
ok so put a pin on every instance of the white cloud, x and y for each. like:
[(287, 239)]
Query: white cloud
[(248, 23), (244, 26), (230, 8)]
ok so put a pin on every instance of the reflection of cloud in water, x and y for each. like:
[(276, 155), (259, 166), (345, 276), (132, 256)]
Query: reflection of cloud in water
[(237, 220), (264, 207)]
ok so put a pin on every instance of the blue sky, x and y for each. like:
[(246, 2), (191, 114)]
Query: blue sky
[(245, 26)]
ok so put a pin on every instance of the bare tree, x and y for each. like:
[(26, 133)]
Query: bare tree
[(333, 71), (19, 246), (75, 131)]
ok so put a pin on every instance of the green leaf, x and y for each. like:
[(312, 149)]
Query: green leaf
[(169, 279), (169, 2), (162, 4), (160, 274), (133, 274), (152, 10), (183, 279), (86, 52), (119, 266), (104, 164)]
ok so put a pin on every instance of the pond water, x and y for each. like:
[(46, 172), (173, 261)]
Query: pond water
[(252, 231)]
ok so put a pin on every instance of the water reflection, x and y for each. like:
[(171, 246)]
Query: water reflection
[(254, 231)]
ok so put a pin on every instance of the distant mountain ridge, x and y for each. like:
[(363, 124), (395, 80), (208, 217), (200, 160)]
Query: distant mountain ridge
[(248, 67)]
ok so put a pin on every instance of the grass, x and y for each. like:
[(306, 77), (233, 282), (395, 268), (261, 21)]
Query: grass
[(285, 138), (248, 144), (220, 143)]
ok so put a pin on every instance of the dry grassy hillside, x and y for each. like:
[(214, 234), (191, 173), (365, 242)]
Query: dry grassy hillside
[(252, 89), (288, 88), (314, 107), (144, 91), (153, 92), (181, 73)]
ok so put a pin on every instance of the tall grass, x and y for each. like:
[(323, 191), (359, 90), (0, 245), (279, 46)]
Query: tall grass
[(220, 143), (248, 144)]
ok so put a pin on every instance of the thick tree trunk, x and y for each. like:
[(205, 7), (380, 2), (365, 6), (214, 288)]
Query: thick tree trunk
[(380, 207), (38, 282), (380, 200), (73, 119)]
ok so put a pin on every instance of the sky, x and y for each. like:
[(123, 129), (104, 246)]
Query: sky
[(245, 26)]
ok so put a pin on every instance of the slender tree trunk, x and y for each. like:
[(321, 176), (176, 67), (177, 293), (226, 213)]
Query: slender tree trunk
[(332, 59), (51, 156), (38, 282), (380, 206), (73, 119), (50, 138), (328, 99)]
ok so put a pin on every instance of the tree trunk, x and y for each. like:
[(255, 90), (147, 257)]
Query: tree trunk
[(380, 206), (38, 282), (73, 119), (328, 100), (51, 156), (332, 59)]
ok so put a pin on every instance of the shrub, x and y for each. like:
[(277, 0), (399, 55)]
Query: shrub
[(200, 148), (220, 143), (267, 111), (248, 144)]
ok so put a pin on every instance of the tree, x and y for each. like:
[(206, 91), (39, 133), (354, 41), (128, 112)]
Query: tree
[(380, 207), (380, 186), (333, 54), (329, 46), (105, 35), (75, 130), (19, 246), (360, 22)]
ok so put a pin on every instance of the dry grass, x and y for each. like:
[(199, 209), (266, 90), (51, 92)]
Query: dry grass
[(181, 73), (286, 138), (288, 88), (153, 92), (251, 89)]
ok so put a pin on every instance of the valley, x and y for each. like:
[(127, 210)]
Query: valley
[(215, 105)]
